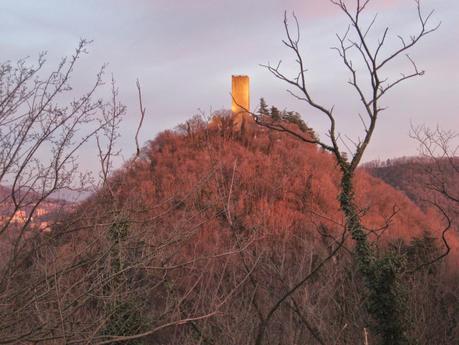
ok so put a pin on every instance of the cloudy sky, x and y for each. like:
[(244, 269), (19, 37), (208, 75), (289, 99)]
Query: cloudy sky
[(185, 51)]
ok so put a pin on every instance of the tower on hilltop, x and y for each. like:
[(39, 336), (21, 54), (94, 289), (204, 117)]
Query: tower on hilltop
[(240, 92)]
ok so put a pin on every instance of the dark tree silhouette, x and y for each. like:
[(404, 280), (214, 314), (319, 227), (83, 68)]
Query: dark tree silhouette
[(380, 274)]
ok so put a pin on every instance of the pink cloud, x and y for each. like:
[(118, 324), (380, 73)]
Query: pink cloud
[(317, 9)]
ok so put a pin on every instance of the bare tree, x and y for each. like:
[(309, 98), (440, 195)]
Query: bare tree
[(91, 277), (43, 127), (379, 273), (40, 140), (438, 149)]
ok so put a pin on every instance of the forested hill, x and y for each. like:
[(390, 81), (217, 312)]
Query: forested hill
[(216, 237), (429, 182), (262, 181)]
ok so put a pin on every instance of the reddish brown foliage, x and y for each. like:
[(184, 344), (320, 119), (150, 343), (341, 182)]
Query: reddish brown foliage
[(265, 182), (208, 220)]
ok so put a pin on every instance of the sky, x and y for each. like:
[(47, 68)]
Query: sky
[(185, 51)]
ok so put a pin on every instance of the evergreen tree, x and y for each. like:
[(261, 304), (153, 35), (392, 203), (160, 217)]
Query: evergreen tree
[(264, 110), (275, 113), (295, 117)]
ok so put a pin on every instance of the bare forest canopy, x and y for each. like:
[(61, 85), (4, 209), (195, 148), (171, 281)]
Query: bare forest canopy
[(209, 231), (206, 220)]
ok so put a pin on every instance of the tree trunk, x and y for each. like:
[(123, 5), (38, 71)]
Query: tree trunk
[(380, 275)]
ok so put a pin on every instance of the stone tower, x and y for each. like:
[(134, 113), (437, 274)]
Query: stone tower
[(240, 92)]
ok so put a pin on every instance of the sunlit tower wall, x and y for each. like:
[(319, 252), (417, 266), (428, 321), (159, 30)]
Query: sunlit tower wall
[(240, 92)]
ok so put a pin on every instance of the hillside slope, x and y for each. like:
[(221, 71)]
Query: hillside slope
[(239, 235), (426, 181), (266, 182)]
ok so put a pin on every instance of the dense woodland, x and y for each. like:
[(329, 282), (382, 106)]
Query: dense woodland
[(212, 237)]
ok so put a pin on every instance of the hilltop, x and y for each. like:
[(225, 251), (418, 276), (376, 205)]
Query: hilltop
[(264, 181)]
